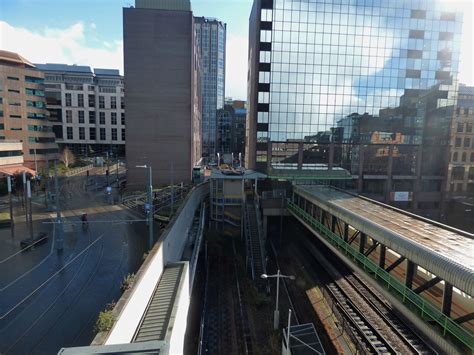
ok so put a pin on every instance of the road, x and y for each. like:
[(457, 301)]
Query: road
[(51, 300)]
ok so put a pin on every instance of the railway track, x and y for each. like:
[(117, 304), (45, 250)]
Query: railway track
[(373, 323)]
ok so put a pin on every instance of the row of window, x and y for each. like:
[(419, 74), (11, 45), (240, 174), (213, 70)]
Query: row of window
[(93, 133), (462, 125), (467, 142), (464, 110), (458, 173), (92, 117), (28, 79), (463, 157), (80, 101)]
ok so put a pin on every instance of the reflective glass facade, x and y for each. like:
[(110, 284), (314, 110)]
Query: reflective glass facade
[(329, 77), (211, 37)]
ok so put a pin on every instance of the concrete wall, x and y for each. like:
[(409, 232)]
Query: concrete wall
[(160, 65), (167, 250)]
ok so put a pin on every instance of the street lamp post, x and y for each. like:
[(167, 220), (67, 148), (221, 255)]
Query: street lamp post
[(150, 204), (276, 313)]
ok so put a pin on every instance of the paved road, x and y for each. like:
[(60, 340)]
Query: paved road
[(51, 300)]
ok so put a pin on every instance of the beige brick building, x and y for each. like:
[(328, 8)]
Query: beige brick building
[(23, 114)]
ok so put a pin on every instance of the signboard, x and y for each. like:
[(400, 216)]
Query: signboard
[(109, 189), (401, 196)]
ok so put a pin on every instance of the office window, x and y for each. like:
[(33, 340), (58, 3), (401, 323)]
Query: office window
[(469, 127), (14, 78), (455, 156), (463, 157), (122, 103), (114, 134), (457, 142), (122, 119), (68, 116), (123, 136), (82, 133), (467, 142), (460, 127), (113, 102), (91, 100), (457, 173), (101, 102), (102, 134), (113, 118), (92, 117), (80, 100), (68, 100), (472, 159), (81, 116), (92, 133), (102, 117), (69, 133)]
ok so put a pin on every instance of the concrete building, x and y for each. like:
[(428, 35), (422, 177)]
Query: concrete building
[(23, 114), (86, 107), (309, 73), (231, 128), (211, 38), (461, 164), (163, 92)]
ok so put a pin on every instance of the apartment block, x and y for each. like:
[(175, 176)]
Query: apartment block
[(211, 39), (87, 108), (23, 114), (163, 92)]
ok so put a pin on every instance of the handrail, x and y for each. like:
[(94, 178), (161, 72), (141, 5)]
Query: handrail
[(260, 234), (78, 170), (425, 309), (248, 241)]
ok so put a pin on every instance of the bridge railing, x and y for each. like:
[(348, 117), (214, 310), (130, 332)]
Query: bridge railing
[(426, 310)]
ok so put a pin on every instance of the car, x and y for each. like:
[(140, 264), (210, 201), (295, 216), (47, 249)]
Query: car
[(38, 239)]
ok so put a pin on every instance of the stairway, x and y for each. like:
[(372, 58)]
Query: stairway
[(254, 239)]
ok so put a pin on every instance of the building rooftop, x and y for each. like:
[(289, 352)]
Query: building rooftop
[(66, 68), (466, 90), (107, 72), (177, 5), (440, 249), (13, 57)]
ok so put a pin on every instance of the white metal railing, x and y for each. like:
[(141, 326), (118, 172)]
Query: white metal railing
[(78, 170)]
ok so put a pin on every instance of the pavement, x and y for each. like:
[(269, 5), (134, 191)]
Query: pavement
[(50, 299)]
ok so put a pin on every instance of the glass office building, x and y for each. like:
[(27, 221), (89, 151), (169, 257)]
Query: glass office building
[(366, 86), (211, 35)]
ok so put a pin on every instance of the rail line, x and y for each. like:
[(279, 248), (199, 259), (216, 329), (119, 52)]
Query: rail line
[(373, 323)]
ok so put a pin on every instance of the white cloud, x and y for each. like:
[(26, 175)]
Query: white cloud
[(236, 67), (60, 45)]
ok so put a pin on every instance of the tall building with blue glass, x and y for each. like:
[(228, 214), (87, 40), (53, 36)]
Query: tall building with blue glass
[(211, 37), (365, 86)]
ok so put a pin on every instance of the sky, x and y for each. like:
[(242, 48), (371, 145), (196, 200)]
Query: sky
[(89, 32)]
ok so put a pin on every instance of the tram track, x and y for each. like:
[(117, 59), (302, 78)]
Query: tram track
[(373, 324)]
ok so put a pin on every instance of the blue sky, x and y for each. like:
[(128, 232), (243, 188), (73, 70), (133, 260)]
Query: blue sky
[(89, 32), (100, 27)]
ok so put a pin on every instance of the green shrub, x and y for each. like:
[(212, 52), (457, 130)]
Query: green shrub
[(127, 282), (105, 321)]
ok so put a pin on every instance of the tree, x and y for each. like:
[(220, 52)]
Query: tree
[(67, 157)]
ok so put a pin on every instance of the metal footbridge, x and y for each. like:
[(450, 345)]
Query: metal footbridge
[(426, 269)]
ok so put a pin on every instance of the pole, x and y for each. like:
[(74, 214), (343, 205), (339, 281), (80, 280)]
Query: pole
[(107, 172), (172, 189), (25, 204), (117, 171), (281, 219), (58, 211), (24, 193), (276, 314), (12, 226), (288, 351), (151, 212), (36, 173), (28, 186)]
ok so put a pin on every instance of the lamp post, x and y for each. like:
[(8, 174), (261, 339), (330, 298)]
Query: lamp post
[(150, 204), (276, 313)]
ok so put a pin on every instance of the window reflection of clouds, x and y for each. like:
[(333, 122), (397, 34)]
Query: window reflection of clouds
[(332, 59)]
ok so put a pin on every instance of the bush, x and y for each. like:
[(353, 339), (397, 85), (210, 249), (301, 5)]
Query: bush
[(127, 282), (105, 321)]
